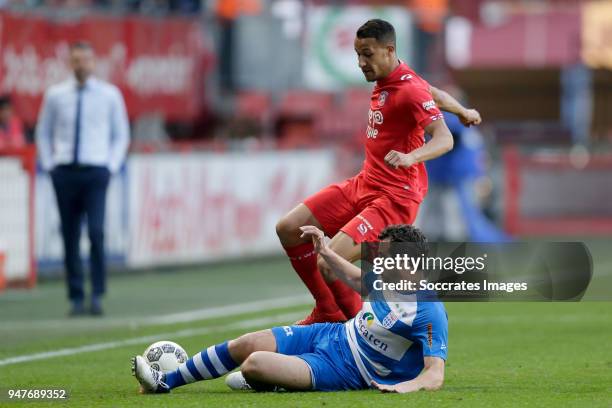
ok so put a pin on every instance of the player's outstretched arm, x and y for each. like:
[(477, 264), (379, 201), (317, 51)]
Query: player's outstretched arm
[(440, 143), (343, 269), (430, 379), (447, 103)]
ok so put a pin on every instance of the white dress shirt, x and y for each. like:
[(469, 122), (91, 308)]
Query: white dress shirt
[(104, 128)]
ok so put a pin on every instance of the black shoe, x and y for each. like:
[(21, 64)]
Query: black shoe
[(96, 307), (77, 309)]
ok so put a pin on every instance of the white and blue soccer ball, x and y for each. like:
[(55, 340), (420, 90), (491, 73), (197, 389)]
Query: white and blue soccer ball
[(165, 356)]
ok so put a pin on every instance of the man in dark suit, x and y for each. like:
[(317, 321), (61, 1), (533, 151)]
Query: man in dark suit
[(82, 137)]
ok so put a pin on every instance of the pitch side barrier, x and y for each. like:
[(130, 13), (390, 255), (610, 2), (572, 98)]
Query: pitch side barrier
[(172, 209), (557, 192), (17, 175)]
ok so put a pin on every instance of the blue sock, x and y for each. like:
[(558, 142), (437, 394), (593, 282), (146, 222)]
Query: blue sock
[(210, 363)]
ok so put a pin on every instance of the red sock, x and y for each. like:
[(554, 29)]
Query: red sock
[(304, 260), (346, 298)]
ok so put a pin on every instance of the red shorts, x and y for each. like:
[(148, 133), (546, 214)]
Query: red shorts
[(359, 210)]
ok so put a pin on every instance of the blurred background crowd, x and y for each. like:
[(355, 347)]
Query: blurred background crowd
[(249, 76), (536, 69)]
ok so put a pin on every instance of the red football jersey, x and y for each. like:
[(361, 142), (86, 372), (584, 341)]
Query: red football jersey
[(400, 108)]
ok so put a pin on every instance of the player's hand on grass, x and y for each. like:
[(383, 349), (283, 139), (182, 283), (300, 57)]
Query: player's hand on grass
[(318, 237), (396, 159), (470, 117), (400, 388), (384, 387)]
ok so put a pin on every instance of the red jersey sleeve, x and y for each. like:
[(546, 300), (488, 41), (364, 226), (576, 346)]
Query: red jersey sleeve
[(421, 106)]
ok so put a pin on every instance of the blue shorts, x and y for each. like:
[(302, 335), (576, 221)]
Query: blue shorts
[(324, 347)]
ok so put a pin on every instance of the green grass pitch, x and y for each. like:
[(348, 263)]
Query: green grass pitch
[(500, 354)]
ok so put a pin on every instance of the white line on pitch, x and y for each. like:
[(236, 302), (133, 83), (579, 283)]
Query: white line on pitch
[(71, 351), (180, 317)]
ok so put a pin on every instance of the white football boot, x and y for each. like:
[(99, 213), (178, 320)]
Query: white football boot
[(151, 380), (236, 381)]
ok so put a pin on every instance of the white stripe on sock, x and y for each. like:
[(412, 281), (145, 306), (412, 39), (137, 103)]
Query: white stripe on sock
[(199, 364), (216, 362), (187, 377)]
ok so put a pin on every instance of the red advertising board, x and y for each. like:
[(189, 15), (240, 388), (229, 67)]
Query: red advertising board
[(159, 64)]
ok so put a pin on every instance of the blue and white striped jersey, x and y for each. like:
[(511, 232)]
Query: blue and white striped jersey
[(388, 340)]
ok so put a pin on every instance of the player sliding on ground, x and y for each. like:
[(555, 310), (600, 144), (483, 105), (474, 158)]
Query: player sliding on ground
[(393, 181), (392, 346)]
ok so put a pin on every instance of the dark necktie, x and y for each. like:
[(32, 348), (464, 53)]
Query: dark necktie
[(77, 126)]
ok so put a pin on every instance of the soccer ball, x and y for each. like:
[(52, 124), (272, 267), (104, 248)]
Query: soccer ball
[(165, 356)]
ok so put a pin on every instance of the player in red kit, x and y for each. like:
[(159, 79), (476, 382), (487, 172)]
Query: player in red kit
[(392, 182)]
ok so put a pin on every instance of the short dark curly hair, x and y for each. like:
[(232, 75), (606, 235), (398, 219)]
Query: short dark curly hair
[(379, 29), (406, 233)]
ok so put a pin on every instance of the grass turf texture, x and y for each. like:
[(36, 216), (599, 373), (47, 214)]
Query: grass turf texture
[(500, 354)]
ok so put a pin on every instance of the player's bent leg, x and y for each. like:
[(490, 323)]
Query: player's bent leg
[(329, 209), (346, 298), (290, 341), (264, 369), (304, 261), (366, 226), (324, 349), (212, 362)]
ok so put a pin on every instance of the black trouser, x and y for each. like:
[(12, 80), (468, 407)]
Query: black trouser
[(81, 190)]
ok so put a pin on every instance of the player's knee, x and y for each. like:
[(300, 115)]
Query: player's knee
[(253, 366), (288, 230), (284, 227), (243, 346)]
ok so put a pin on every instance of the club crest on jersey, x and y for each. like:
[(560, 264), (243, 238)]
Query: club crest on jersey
[(382, 98), (389, 320)]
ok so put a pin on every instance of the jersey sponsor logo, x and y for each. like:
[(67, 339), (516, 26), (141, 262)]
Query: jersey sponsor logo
[(369, 318), (362, 229), (382, 98), (374, 118), (429, 105), (365, 221), (380, 339), (437, 117), (365, 226), (367, 335), (405, 77), (389, 320), (372, 133)]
